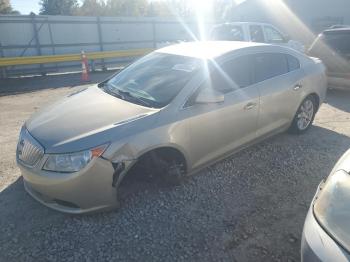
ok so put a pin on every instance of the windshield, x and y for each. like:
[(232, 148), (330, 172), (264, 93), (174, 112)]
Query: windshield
[(154, 80)]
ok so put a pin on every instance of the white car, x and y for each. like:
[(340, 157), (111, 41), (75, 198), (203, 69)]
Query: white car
[(326, 233), (253, 32)]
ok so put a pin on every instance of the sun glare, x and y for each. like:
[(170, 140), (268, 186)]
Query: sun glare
[(201, 6)]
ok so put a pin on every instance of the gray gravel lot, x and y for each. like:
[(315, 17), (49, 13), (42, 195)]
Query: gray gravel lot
[(248, 207)]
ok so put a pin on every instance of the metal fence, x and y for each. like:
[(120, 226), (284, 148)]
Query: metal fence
[(22, 36)]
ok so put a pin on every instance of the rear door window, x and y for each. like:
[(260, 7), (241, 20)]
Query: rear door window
[(256, 33), (269, 65)]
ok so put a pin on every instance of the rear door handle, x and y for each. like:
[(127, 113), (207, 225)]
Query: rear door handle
[(297, 86), (249, 106)]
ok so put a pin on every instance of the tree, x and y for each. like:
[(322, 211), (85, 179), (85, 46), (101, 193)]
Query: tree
[(58, 7), (6, 8), (158, 8), (126, 7), (230, 10), (154, 8), (169, 8), (92, 8), (222, 9)]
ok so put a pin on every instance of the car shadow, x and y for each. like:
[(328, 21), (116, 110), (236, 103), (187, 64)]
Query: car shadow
[(20, 85), (14, 200), (339, 98), (27, 227)]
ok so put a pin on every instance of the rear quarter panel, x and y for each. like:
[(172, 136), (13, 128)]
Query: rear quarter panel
[(315, 78)]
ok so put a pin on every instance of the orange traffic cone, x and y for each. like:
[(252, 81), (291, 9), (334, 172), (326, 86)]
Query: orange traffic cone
[(85, 68)]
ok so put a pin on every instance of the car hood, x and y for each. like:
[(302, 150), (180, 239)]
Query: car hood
[(343, 163), (77, 118)]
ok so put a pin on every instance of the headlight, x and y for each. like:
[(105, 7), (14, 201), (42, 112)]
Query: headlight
[(72, 162), (332, 207)]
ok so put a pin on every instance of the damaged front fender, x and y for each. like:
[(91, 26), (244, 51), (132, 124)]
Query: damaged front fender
[(122, 159)]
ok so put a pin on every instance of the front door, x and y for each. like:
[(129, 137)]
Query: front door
[(219, 128)]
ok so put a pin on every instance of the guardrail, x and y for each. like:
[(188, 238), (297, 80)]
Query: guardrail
[(38, 46), (31, 60)]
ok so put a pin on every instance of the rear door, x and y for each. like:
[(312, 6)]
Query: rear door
[(279, 79)]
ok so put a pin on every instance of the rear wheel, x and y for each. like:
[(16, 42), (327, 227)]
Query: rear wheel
[(305, 116)]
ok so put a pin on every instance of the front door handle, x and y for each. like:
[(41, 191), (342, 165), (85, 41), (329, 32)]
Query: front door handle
[(249, 106), (297, 86)]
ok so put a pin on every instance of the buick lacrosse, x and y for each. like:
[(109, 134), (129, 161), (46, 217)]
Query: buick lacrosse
[(167, 115)]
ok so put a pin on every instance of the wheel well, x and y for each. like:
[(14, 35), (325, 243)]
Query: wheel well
[(145, 162), (317, 99), (166, 153)]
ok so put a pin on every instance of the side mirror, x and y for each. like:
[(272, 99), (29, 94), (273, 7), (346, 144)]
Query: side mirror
[(209, 96)]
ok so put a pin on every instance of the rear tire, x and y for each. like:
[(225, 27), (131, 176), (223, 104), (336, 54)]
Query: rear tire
[(304, 117)]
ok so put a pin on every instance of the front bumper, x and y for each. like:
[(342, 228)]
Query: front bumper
[(85, 191), (317, 245)]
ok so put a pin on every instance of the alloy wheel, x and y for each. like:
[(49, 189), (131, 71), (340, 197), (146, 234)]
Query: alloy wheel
[(305, 114)]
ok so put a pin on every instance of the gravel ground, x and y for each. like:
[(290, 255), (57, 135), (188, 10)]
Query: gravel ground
[(248, 207)]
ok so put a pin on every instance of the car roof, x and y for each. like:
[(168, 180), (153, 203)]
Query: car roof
[(207, 49), (244, 23), (338, 26), (337, 30)]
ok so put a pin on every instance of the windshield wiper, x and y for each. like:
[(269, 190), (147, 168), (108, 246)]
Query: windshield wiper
[(125, 95), (138, 99), (106, 88)]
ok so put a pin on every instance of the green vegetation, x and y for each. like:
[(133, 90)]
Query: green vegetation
[(159, 8), (6, 8)]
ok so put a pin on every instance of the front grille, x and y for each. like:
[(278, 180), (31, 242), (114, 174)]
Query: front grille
[(29, 151)]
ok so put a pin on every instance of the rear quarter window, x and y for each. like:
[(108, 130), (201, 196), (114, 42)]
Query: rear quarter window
[(293, 63)]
